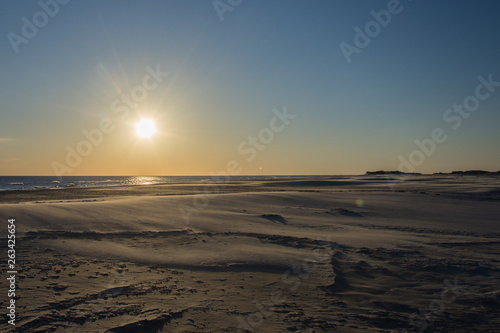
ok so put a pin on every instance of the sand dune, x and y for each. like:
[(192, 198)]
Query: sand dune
[(324, 254)]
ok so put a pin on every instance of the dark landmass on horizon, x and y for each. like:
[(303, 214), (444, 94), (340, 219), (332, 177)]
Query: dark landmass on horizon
[(461, 173)]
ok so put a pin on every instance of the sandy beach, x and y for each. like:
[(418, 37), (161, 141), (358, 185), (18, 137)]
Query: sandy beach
[(319, 254), (234, 166)]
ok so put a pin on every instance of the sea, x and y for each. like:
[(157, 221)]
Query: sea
[(10, 183)]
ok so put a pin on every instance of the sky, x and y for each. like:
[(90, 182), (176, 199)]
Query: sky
[(246, 87)]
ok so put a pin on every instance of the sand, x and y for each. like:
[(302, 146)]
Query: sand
[(323, 254)]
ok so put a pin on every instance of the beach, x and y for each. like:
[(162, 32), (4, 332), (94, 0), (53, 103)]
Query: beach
[(373, 253)]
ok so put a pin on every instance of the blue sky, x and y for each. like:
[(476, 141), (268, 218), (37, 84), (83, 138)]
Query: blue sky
[(226, 77)]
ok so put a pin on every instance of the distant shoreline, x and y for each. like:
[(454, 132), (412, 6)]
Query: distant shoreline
[(373, 181), (464, 173)]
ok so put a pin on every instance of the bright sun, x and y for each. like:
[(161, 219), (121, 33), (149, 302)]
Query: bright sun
[(145, 128)]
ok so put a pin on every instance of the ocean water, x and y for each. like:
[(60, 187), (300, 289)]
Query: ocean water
[(51, 182)]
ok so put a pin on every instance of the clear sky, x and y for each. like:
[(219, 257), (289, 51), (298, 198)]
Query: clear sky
[(348, 101)]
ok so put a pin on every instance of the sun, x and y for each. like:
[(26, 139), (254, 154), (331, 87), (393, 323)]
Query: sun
[(145, 128)]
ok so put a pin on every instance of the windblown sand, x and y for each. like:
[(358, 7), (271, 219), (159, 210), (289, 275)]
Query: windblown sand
[(324, 254)]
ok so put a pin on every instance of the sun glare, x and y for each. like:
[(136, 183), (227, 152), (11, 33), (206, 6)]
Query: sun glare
[(145, 128)]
